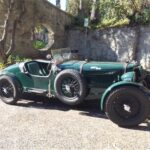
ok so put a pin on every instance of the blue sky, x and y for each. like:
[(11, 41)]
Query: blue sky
[(63, 3)]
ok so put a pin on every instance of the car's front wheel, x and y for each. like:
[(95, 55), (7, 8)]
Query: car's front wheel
[(127, 106), (9, 92)]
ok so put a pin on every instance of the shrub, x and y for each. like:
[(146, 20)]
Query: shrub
[(39, 44), (2, 66), (16, 59), (113, 23), (143, 17)]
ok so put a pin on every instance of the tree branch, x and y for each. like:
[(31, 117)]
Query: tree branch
[(3, 52), (22, 10), (12, 41), (6, 22), (93, 11)]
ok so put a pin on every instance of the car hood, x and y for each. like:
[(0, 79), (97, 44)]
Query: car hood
[(97, 66)]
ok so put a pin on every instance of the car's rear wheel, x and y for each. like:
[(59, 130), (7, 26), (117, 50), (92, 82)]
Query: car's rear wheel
[(70, 87), (9, 92), (127, 106)]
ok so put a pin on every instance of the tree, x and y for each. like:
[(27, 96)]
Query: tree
[(73, 7), (93, 11), (146, 4), (76, 7), (80, 4), (58, 3), (13, 16)]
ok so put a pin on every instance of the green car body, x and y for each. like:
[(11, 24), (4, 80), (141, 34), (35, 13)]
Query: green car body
[(98, 75), (101, 78)]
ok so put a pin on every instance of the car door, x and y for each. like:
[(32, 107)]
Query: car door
[(33, 77)]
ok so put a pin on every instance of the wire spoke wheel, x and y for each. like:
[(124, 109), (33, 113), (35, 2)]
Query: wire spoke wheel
[(70, 87), (6, 89), (9, 92)]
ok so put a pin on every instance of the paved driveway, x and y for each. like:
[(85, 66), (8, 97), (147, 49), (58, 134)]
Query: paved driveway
[(44, 125)]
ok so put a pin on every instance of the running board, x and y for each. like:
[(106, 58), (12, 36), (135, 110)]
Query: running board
[(38, 91)]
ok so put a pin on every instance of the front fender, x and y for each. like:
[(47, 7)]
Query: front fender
[(117, 85)]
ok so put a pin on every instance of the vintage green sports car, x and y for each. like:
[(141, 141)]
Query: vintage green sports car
[(122, 88)]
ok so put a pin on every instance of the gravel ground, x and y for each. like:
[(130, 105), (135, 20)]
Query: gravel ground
[(44, 125)]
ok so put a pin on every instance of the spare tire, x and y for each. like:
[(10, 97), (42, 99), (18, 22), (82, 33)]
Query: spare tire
[(70, 87)]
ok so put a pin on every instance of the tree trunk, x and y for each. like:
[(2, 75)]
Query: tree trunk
[(93, 11), (136, 43), (5, 53), (5, 33), (146, 4), (80, 5), (58, 3), (2, 54), (81, 9)]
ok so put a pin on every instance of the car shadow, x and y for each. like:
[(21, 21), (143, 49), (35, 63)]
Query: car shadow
[(88, 108), (142, 127)]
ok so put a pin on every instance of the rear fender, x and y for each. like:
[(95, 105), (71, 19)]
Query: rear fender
[(19, 85), (117, 85)]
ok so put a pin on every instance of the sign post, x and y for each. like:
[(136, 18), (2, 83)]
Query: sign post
[(86, 22)]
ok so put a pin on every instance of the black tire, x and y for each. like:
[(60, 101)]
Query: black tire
[(9, 92), (127, 106), (146, 82), (70, 87)]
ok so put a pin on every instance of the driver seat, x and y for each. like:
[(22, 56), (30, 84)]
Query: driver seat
[(34, 68)]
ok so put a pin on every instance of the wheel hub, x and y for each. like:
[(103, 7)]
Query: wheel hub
[(127, 108), (68, 88), (5, 90)]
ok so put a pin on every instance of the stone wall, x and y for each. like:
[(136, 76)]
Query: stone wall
[(39, 12), (116, 44), (113, 44)]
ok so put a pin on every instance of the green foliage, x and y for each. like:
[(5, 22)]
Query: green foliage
[(16, 59), (116, 12), (110, 9), (113, 23), (2, 66), (12, 59), (39, 44), (73, 7), (112, 13), (143, 17), (79, 11)]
